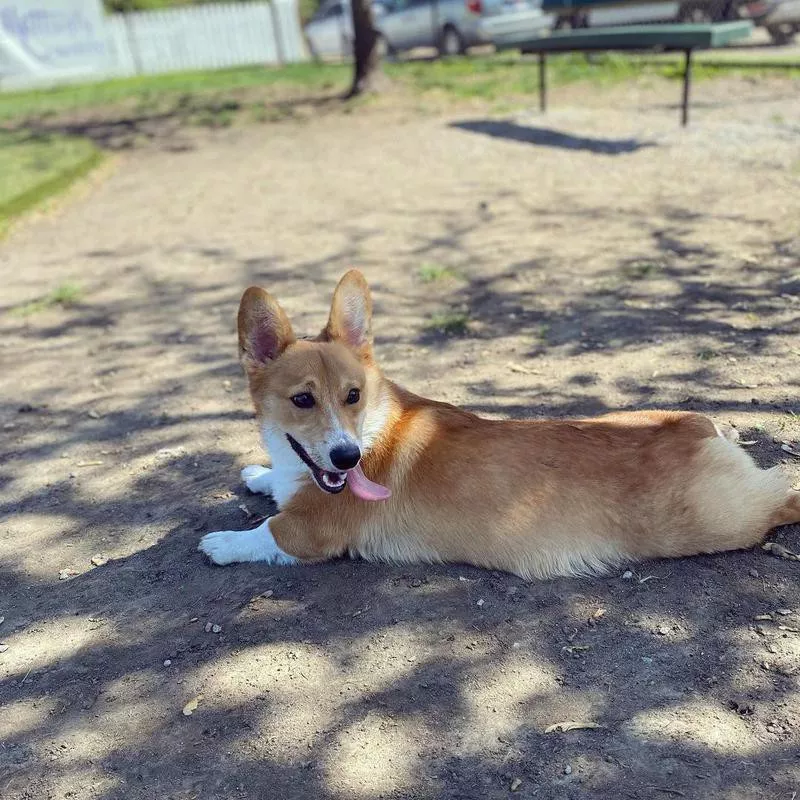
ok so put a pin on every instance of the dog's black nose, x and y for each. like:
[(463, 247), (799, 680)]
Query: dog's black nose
[(345, 456)]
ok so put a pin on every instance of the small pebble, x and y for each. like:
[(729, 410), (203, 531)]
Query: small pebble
[(515, 784), (568, 770), (663, 631), (2, 620), (753, 573), (94, 414), (208, 627), (480, 603), (627, 575), (784, 612), (216, 628), (3, 648), (194, 619), (167, 663), (99, 560)]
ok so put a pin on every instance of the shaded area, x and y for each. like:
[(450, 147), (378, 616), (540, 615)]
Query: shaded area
[(125, 422), (547, 137)]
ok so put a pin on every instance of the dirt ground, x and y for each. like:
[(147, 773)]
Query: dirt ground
[(598, 258)]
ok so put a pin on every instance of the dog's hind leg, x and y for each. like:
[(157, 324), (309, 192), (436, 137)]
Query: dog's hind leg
[(788, 513)]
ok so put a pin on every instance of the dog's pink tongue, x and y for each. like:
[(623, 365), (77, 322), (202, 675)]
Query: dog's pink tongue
[(361, 486)]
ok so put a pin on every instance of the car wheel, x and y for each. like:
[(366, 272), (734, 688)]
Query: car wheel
[(450, 42), (695, 13), (781, 34), (385, 51), (572, 23)]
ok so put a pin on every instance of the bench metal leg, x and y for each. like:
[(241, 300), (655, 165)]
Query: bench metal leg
[(687, 79), (542, 83)]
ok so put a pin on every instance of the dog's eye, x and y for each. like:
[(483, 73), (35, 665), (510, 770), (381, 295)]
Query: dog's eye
[(353, 397), (303, 400)]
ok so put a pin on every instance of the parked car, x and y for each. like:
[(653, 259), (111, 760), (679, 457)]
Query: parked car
[(599, 13), (781, 18), (451, 26)]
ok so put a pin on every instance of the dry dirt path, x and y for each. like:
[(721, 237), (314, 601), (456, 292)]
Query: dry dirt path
[(598, 258)]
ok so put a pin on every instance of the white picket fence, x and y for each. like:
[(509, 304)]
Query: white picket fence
[(211, 36), (205, 37)]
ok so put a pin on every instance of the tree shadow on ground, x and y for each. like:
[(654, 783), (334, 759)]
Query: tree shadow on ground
[(349, 678)]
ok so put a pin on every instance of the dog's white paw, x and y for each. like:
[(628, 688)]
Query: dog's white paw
[(228, 547), (257, 479)]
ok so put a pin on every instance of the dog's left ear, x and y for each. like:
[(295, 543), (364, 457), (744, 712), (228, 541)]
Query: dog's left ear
[(350, 320)]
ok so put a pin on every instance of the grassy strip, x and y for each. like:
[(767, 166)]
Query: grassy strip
[(479, 76), (147, 89), (488, 77), (51, 172)]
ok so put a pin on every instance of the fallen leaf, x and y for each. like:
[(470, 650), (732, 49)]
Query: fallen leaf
[(522, 368), (191, 706), (575, 648), (780, 551), (563, 727)]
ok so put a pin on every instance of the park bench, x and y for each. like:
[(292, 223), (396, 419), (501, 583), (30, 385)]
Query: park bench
[(679, 37)]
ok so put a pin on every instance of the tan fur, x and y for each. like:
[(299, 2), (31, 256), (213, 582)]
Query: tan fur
[(537, 498)]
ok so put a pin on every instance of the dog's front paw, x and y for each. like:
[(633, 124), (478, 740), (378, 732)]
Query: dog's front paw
[(222, 547), (257, 479), (229, 547)]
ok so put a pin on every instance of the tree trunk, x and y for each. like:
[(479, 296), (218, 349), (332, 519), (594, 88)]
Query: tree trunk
[(365, 49)]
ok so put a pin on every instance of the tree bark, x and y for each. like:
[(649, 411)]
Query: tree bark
[(366, 55)]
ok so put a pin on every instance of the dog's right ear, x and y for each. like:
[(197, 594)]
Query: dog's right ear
[(264, 329)]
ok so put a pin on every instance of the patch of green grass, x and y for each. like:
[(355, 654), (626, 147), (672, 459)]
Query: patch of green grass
[(159, 91), (496, 77), (430, 273), (35, 167), (64, 295), (450, 323)]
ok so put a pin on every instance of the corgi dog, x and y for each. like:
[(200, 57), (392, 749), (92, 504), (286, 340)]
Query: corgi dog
[(362, 467)]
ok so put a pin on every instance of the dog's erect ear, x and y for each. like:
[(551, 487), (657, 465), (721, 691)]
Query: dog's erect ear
[(350, 321), (264, 329)]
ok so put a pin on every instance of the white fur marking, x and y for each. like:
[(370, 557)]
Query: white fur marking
[(375, 419), (287, 467), (227, 547), (258, 479)]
